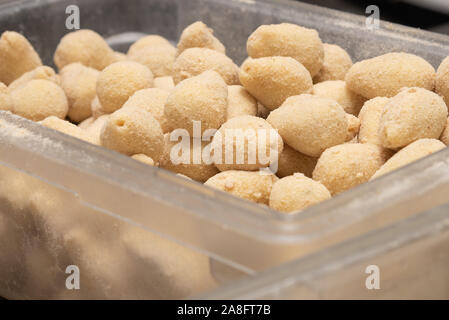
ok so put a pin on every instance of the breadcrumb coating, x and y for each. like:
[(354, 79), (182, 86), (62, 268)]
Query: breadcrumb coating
[(288, 40), (385, 75), (271, 80), (249, 185), (297, 192), (310, 124)]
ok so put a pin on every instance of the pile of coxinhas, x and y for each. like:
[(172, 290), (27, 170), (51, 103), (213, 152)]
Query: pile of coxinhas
[(337, 124)]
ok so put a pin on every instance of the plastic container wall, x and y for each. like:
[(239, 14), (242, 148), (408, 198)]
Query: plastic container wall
[(405, 261), (67, 202)]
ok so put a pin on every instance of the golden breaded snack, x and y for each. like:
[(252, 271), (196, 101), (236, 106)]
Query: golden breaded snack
[(335, 65), (242, 144), (194, 61), (199, 35), (152, 100), (119, 56), (413, 152), (95, 128), (338, 91), (413, 114), (39, 99), (159, 59), (288, 40), (67, 128), (445, 135), (370, 116), (117, 82), (240, 103), (297, 192), (442, 80), (86, 123), (5, 98), (41, 72), (185, 157), (347, 165), (96, 108), (150, 40), (385, 75), (79, 83), (86, 47), (17, 56), (310, 124), (165, 83), (133, 130), (202, 98), (271, 80), (353, 127), (292, 161), (249, 185), (143, 158)]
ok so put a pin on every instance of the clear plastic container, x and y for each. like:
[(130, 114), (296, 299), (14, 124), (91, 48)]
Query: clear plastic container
[(405, 261), (136, 231)]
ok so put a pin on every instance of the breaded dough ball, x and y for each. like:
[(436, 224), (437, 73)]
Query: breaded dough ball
[(152, 100), (86, 47), (288, 40), (413, 114), (201, 98), (42, 73), (165, 83), (5, 98), (132, 131), (347, 165), (442, 80), (249, 185), (96, 108), (271, 80), (338, 91), (413, 152), (143, 158), (185, 157), (67, 128), (292, 161), (353, 127), (194, 61), (159, 59), (96, 127), (119, 56), (240, 103), (385, 75), (150, 40), (445, 135), (86, 123), (310, 124), (198, 35), (370, 116), (17, 56), (39, 99), (243, 134), (297, 192), (117, 82), (335, 65), (79, 83)]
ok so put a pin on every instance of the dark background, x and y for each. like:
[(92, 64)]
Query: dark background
[(432, 15)]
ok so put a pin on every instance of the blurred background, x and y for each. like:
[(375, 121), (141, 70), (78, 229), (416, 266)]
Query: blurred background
[(432, 15)]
